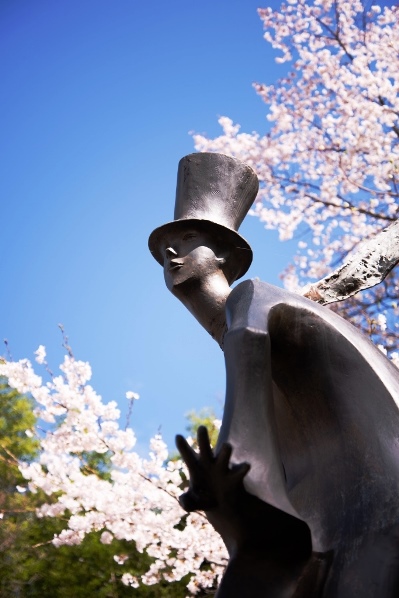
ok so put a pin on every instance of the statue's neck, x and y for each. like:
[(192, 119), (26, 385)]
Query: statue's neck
[(206, 300)]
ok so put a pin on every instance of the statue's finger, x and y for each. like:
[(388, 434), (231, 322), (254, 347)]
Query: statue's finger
[(189, 456), (205, 448), (224, 455), (188, 502), (239, 472)]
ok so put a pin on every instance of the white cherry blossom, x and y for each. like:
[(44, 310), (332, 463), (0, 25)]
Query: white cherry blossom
[(140, 500), (329, 165)]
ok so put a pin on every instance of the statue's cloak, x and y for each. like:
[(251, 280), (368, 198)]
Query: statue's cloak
[(311, 405)]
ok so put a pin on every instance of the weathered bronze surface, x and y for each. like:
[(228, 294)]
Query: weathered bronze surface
[(303, 485)]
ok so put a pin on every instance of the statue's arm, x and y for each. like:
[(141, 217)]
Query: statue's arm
[(216, 487), (270, 551)]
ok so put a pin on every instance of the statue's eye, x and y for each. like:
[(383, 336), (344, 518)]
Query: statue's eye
[(189, 236)]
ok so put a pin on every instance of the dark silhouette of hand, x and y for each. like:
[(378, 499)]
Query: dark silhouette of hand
[(213, 482)]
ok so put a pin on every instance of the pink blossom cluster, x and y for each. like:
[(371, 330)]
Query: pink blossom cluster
[(140, 501), (329, 165)]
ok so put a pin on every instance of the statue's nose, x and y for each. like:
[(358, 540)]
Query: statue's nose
[(170, 252)]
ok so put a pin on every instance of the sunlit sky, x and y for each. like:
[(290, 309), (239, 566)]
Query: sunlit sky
[(98, 99)]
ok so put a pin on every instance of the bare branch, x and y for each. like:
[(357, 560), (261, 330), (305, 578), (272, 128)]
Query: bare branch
[(365, 269)]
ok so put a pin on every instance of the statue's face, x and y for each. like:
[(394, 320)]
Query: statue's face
[(189, 256)]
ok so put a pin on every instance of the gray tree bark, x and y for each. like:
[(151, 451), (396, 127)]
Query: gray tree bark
[(366, 268)]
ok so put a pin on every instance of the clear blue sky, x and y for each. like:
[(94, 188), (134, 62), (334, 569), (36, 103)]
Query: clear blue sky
[(97, 102)]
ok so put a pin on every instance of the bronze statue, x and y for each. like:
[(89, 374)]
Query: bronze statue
[(304, 483)]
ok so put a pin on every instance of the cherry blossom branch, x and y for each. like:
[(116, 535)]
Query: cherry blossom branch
[(335, 34), (346, 204), (14, 459), (350, 206)]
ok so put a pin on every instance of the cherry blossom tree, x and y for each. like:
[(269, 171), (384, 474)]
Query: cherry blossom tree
[(328, 167), (138, 502)]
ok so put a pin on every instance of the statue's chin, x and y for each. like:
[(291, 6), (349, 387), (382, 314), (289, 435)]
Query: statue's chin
[(184, 286), (177, 281)]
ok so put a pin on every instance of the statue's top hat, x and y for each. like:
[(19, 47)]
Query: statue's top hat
[(214, 193)]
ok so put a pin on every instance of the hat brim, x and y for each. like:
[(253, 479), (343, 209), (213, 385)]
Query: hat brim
[(240, 250)]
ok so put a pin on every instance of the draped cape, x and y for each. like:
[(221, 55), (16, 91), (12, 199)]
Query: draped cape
[(311, 405)]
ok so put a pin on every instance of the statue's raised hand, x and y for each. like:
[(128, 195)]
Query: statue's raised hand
[(213, 482), (250, 528)]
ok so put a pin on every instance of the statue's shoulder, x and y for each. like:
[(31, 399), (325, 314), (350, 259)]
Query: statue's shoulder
[(250, 302), (255, 290)]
